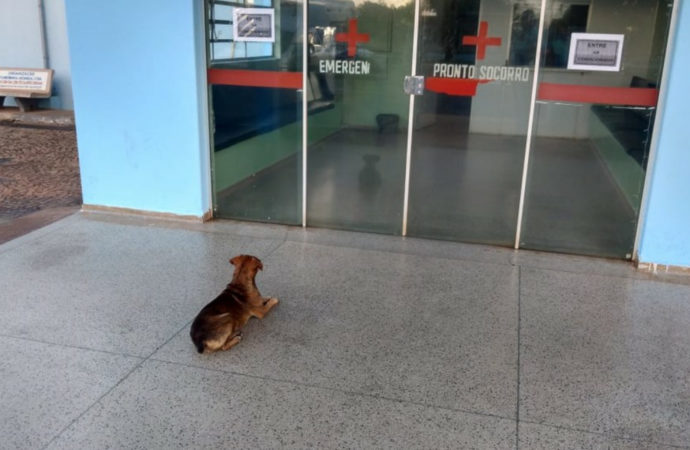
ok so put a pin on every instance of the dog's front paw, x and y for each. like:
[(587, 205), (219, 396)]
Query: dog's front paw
[(272, 302)]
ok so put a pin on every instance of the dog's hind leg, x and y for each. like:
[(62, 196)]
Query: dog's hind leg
[(232, 341)]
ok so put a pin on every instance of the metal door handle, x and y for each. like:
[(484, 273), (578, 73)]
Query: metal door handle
[(413, 85)]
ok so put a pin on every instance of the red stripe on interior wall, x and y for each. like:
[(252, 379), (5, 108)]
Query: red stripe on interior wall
[(598, 94), (256, 78)]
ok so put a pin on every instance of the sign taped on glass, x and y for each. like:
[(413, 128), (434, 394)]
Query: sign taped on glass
[(594, 51), (253, 24)]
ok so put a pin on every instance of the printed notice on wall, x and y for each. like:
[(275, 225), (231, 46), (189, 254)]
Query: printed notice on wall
[(25, 80), (594, 51), (253, 24)]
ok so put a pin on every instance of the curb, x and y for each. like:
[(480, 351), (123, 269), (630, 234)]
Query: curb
[(37, 118)]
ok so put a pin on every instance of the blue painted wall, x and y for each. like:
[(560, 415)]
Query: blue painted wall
[(665, 237), (139, 94)]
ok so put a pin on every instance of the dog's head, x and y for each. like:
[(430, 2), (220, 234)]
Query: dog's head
[(246, 264)]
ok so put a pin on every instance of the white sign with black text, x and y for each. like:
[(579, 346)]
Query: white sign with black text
[(595, 51), (34, 80), (253, 25)]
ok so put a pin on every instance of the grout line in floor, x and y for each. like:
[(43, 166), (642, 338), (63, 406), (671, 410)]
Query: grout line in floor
[(120, 381), (77, 347), (36, 234), (334, 389), (602, 434), (507, 262), (517, 403)]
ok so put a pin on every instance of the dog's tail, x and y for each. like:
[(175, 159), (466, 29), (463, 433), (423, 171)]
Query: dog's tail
[(198, 342)]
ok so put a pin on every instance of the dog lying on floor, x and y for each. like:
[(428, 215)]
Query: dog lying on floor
[(218, 325)]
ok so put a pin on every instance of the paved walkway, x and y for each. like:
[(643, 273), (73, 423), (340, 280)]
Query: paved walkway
[(378, 342), (39, 170)]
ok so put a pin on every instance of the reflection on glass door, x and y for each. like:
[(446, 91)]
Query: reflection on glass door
[(255, 80), (471, 123), (600, 68), (359, 53), (591, 107)]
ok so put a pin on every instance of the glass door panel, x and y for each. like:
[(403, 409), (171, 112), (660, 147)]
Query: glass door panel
[(471, 122), (360, 53), (593, 123), (255, 83)]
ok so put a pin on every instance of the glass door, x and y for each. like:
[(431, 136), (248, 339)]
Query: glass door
[(255, 83), (477, 58), (599, 72), (359, 54), (530, 127)]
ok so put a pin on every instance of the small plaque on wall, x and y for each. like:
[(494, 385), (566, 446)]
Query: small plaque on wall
[(594, 51), (36, 81), (253, 24)]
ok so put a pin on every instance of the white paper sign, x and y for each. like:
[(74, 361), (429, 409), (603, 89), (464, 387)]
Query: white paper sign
[(253, 24), (595, 51), (25, 80)]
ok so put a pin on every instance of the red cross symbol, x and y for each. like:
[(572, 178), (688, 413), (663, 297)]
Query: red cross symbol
[(352, 37), (481, 41)]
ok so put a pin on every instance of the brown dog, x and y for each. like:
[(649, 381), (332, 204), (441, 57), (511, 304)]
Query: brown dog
[(218, 324)]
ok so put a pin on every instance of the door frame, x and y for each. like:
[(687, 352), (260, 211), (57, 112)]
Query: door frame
[(654, 138), (656, 127)]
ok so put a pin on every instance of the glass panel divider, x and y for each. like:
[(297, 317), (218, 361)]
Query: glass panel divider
[(410, 121), (530, 123), (305, 108)]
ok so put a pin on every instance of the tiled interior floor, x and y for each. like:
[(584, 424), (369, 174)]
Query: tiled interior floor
[(378, 342), (463, 187)]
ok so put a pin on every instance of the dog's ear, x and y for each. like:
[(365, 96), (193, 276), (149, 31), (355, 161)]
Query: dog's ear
[(236, 260)]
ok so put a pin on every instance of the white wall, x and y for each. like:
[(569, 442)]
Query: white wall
[(20, 35), (58, 54)]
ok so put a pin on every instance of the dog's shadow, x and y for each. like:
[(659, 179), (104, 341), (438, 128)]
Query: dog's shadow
[(369, 176)]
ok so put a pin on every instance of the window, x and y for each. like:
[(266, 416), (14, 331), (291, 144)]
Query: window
[(566, 19), (562, 19), (221, 40)]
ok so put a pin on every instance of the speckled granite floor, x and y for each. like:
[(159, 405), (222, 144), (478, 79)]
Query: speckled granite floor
[(378, 342)]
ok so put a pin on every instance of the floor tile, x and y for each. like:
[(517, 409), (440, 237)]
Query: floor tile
[(607, 355), (164, 405), (398, 244), (44, 387), (538, 437), (428, 330), (117, 288), (574, 263), (247, 229)]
